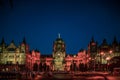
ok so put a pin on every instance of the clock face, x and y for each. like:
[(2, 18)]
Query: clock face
[(59, 57), (58, 54)]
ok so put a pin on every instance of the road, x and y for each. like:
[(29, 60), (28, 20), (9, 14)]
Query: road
[(78, 76)]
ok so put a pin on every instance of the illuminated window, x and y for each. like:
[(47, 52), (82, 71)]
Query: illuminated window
[(11, 50)]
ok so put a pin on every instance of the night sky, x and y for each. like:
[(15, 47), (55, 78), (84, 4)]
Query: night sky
[(40, 21)]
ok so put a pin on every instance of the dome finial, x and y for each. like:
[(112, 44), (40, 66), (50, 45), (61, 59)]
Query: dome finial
[(58, 35)]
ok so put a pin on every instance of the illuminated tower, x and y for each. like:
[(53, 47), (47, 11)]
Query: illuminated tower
[(92, 47), (24, 48), (58, 54)]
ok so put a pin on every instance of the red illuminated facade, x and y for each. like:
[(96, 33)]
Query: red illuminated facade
[(96, 57), (33, 60)]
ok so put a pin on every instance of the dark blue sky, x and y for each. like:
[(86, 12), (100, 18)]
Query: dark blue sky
[(76, 20)]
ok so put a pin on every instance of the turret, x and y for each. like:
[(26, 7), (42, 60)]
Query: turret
[(24, 46)]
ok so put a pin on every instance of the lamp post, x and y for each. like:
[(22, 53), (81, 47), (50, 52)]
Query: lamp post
[(110, 51)]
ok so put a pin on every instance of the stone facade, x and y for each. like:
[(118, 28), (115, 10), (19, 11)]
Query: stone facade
[(101, 53), (95, 57), (58, 54), (12, 54), (33, 60)]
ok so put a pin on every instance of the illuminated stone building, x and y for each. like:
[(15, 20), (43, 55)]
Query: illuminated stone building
[(90, 59), (74, 62), (12, 54), (95, 57), (115, 47), (101, 54), (56, 60), (46, 63), (92, 48), (60, 61), (104, 49), (59, 54), (33, 60)]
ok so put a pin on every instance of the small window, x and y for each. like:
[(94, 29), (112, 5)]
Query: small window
[(23, 51), (11, 56), (5, 56)]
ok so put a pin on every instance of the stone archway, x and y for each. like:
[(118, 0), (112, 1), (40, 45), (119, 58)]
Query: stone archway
[(44, 66), (35, 67), (40, 67)]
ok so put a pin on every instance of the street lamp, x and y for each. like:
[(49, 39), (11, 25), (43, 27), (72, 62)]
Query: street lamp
[(108, 58), (102, 53), (110, 51)]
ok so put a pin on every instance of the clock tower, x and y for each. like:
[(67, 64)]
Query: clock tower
[(58, 54)]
